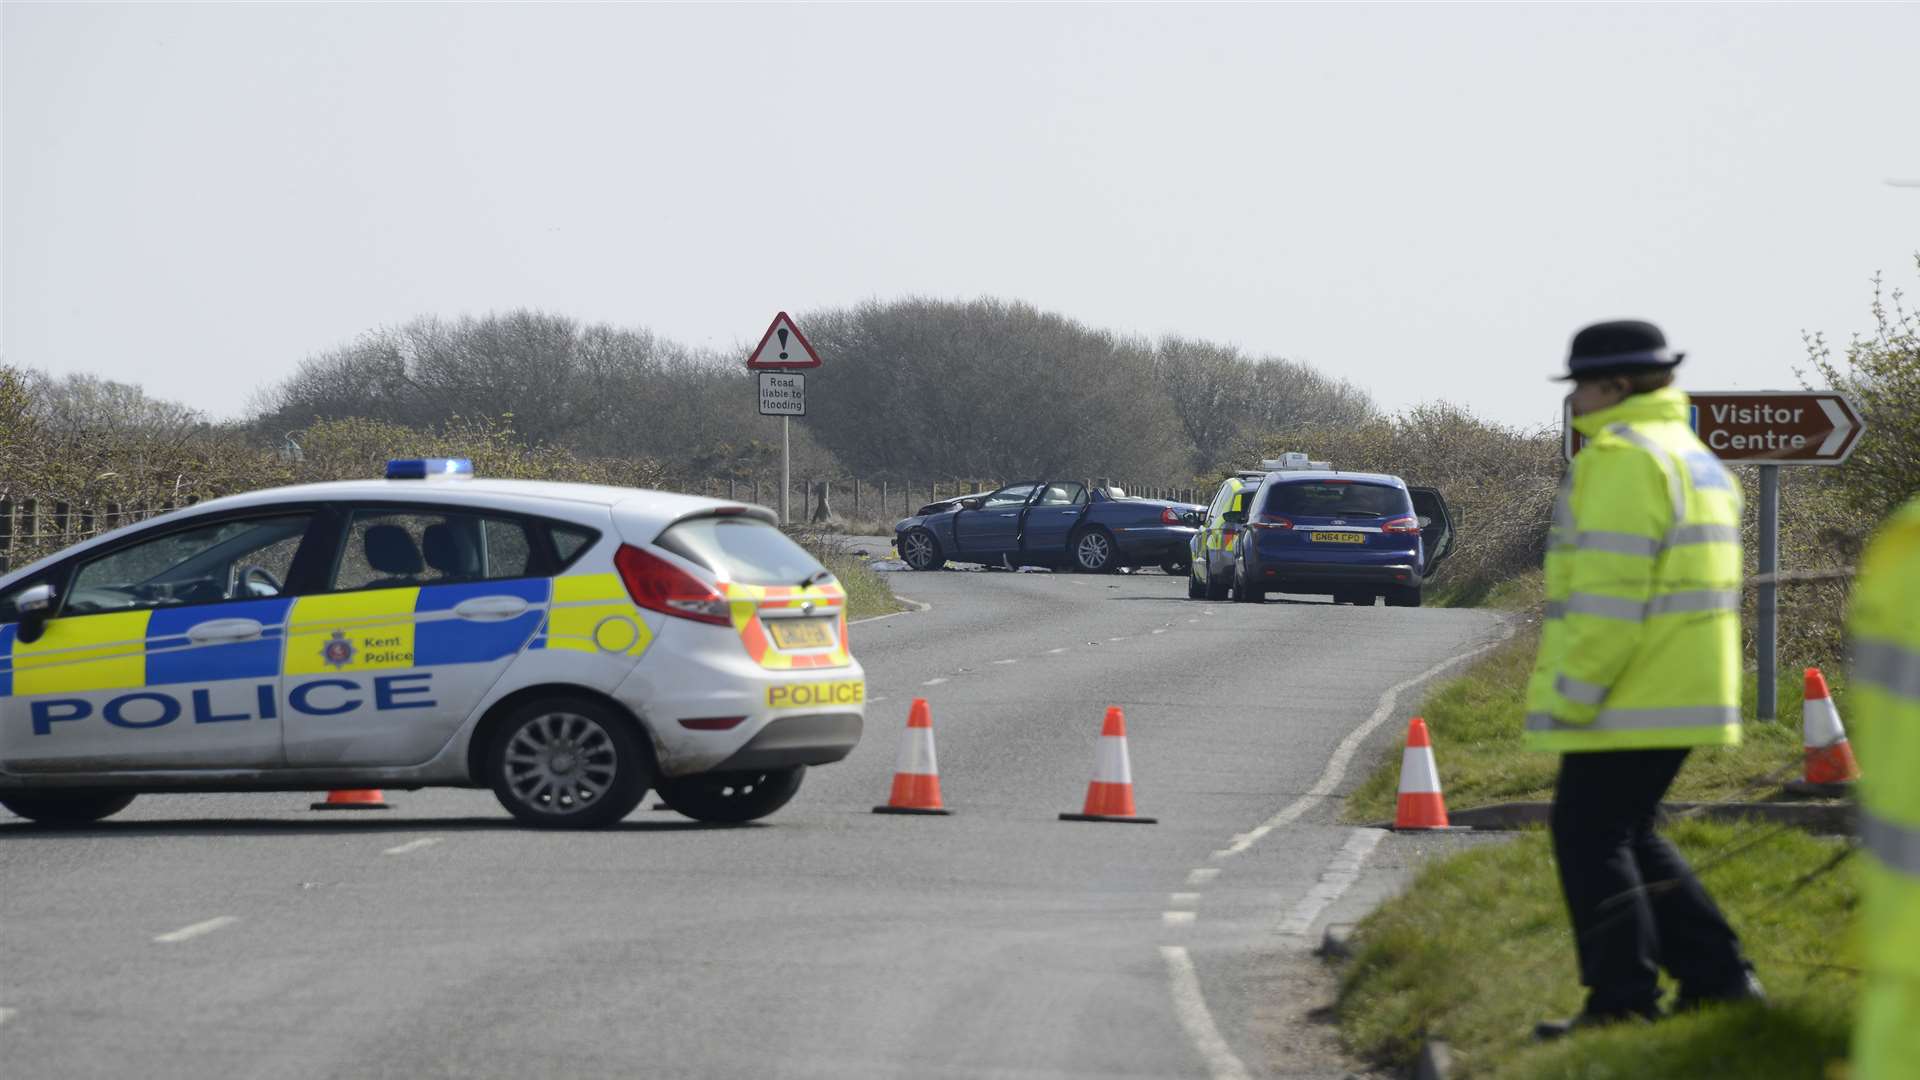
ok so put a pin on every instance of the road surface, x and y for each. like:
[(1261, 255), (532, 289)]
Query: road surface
[(243, 935)]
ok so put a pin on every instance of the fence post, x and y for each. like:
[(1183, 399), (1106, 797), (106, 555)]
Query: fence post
[(6, 535), (823, 502), (883, 498), (856, 498), (756, 491), (59, 528), (731, 497), (86, 522)]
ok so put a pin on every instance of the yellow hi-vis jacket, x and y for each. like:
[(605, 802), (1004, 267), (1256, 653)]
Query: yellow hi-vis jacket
[(1886, 705), (1641, 648)]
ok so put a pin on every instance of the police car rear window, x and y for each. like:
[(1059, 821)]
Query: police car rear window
[(1303, 498), (741, 550)]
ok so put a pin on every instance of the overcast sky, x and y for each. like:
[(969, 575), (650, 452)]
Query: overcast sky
[(1427, 199)]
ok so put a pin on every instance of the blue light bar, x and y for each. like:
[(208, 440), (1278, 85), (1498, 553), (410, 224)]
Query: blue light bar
[(433, 468)]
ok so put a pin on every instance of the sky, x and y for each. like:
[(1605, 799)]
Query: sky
[(1425, 199)]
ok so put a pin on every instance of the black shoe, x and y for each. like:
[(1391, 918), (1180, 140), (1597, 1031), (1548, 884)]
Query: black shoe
[(1548, 1030), (1748, 988)]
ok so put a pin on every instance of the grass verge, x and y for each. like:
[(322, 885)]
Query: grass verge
[(1479, 949), (1476, 722)]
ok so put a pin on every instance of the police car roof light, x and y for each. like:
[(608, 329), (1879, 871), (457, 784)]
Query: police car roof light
[(429, 468)]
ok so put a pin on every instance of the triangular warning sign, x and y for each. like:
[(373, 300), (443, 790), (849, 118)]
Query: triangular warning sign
[(782, 347)]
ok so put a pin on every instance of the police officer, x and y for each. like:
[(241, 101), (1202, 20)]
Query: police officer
[(1886, 688), (1639, 661)]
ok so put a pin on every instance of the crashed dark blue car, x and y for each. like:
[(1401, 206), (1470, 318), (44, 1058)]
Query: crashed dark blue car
[(1055, 523)]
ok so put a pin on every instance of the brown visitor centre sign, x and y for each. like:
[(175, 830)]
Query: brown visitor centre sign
[(1766, 427)]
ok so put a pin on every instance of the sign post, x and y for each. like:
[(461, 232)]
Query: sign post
[(782, 354), (1767, 428)]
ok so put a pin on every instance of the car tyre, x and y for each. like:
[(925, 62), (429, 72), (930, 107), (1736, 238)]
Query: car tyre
[(1094, 552), (732, 796), (1196, 588), (1404, 596), (921, 550), (568, 763), (63, 809), (1244, 593)]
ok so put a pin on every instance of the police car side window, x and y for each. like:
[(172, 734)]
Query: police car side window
[(243, 559), (570, 540), (398, 548)]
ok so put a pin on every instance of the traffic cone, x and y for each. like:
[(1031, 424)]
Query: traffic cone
[(1421, 804), (1110, 794), (1829, 760), (357, 799), (916, 774)]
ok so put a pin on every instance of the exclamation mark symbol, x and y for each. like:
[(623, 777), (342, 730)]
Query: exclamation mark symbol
[(783, 342)]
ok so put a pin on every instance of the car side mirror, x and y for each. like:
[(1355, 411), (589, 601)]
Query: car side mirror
[(1193, 518), (1426, 522), (35, 606), (972, 504), (1234, 517)]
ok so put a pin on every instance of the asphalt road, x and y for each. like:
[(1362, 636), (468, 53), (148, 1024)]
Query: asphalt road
[(245, 936)]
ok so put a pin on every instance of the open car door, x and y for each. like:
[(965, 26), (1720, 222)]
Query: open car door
[(1436, 526)]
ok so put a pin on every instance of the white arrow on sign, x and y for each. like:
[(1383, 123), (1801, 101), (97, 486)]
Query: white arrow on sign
[(1841, 425)]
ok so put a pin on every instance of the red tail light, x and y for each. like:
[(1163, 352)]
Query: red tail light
[(1169, 516), (658, 585), (1401, 525), (1269, 521)]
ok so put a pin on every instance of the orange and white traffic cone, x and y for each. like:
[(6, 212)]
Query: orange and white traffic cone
[(916, 775), (1829, 760), (1110, 795), (358, 799), (1421, 804)]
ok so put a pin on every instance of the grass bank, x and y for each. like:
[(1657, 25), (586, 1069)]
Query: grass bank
[(1476, 721), (1479, 949)]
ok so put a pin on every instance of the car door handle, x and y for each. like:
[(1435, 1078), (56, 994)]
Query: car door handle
[(490, 608), (217, 631)]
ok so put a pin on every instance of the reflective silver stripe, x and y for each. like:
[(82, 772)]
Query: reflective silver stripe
[(1892, 843), (1695, 602), (1556, 609), (1579, 691), (1702, 716), (1703, 534), (1610, 607), (1675, 492), (1617, 543), (1888, 667)]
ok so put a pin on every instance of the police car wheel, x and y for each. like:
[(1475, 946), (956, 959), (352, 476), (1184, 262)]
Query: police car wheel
[(1196, 589), (732, 796), (568, 763), (921, 551), (1244, 593), (80, 809), (1093, 551)]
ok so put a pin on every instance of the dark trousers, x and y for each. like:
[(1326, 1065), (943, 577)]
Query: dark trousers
[(1635, 903)]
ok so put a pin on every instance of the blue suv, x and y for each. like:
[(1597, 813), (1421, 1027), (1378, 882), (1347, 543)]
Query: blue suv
[(1356, 536)]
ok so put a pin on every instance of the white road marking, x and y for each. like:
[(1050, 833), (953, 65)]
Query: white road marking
[(1336, 768), (1006, 661), (1191, 1009), (875, 700), (1202, 875), (188, 933), (1162, 630), (1120, 638), (1340, 873), (1193, 620), (1178, 918), (412, 845), (1057, 652), (8, 1014), (933, 682), (1183, 899)]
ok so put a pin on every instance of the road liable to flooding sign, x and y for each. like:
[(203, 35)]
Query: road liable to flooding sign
[(783, 393), (1768, 427)]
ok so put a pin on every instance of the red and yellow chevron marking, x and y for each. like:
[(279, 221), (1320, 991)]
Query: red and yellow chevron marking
[(747, 601)]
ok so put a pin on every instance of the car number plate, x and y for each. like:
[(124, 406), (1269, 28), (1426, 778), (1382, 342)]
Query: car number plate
[(1337, 538), (800, 633)]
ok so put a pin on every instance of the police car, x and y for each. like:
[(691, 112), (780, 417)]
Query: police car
[(567, 645)]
